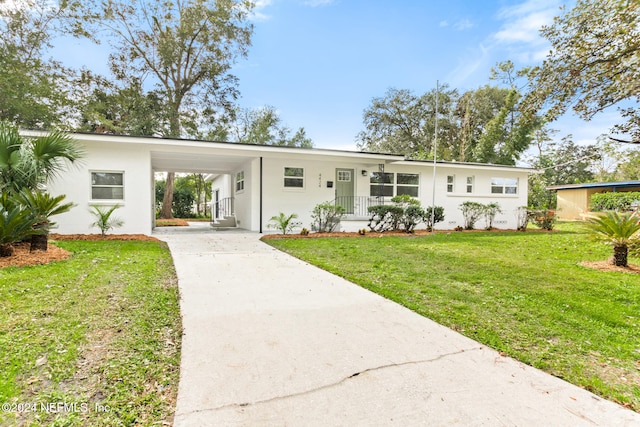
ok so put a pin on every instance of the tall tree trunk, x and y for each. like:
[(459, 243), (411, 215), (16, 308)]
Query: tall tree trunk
[(167, 200), (39, 242), (620, 255)]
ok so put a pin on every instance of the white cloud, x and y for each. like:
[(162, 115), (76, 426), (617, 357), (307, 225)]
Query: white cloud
[(258, 13), (444, 23), (522, 22)]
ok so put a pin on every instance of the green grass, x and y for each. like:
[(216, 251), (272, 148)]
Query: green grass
[(523, 294), (100, 330)]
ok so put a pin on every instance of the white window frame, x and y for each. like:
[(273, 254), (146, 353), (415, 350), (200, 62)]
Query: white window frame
[(240, 182), (506, 186), (451, 183), (393, 185), (120, 186), (470, 184), (407, 186), (344, 176), (292, 178)]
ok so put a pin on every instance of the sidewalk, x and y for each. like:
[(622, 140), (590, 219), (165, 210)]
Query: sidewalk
[(272, 341)]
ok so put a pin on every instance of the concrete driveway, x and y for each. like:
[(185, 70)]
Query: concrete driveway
[(272, 341)]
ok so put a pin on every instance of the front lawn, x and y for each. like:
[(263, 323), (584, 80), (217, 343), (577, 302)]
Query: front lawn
[(521, 293), (92, 340)]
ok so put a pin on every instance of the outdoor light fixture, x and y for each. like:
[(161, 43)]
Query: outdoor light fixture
[(364, 172)]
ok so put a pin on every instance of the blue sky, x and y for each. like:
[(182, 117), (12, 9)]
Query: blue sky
[(320, 62)]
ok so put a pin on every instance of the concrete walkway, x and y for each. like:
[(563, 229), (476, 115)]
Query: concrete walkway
[(272, 341)]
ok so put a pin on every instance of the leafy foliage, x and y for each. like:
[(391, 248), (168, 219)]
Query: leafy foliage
[(43, 206), (490, 211), (617, 230), (326, 217), (405, 214), (16, 223), (618, 201), (284, 223), (183, 200), (482, 125), (104, 221), (471, 211), (543, 218), (592, 63), (30, 163)]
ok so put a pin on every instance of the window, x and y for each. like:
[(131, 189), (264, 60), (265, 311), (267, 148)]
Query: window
[(107, 185), (389, 184), (504, 185), (240, 181), (407, 184), (470, 184), (294, 177), (450, 182), (344, 176)]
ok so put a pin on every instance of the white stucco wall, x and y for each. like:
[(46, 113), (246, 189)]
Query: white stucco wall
[(137, 206), (138, 158)]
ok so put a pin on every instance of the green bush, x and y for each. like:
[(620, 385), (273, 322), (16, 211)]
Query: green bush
[(284, 223), (326, 217), (619, 202), (543, 218), (405, 214), (437, 217), (183, 203), (472, 211), (385, 217)]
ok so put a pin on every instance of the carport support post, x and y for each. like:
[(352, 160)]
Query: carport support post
[(260, 194)]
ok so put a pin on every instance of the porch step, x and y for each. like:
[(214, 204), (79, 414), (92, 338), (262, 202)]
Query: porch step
[(227, 221)]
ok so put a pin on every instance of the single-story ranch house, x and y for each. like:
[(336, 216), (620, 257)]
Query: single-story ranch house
[(252, 183), (574, 199)]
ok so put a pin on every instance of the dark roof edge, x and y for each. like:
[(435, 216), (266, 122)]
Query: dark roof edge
[(594, 185)]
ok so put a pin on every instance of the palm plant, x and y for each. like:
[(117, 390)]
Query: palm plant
[(103, 219), (284, 223), (617, 230), (42, 206), (30, 163), (16, 224)]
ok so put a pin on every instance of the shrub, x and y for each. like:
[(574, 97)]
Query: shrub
[(437, 217), (543, 218), (16, 223), (385, 217), (490, 211), (524, 215), (326, 217), (104, 221), (183, 200), (619, 202), (472, 211), (284, 223)]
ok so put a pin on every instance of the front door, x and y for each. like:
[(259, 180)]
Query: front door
[(345, 189)]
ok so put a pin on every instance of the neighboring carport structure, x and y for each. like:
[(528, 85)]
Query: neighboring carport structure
[(574, 199)]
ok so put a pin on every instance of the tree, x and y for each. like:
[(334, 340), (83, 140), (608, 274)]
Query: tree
[(482, 125), (261, 126), (33, 88), (126, 110), (592, 64), (187, 47), (404, 123), (617, 230)]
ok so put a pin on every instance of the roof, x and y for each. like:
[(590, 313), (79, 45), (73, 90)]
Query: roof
[(619, 184), (175, 152)]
